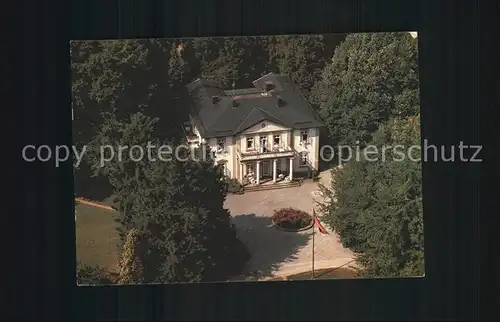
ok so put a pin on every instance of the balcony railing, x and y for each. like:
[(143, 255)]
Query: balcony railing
[(264, 150), (217, 151)]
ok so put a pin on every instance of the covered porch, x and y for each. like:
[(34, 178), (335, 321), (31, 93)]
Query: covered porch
[(266, 172)]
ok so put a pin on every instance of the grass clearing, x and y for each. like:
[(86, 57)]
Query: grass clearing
[(96, 237)]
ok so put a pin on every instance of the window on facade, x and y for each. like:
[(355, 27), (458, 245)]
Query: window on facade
[(250, 143), (303, 159), (276, 142), (304, 136), (221, 145), (263, 144)]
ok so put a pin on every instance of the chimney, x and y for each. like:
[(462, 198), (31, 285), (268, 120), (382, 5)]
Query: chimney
[(215, 99), (268, 85), (279, 101)]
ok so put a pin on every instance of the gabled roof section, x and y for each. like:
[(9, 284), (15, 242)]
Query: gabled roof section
[(283, 105), (256, 116)]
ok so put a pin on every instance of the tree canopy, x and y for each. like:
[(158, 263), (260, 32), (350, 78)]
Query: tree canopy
[(371, 78), (124, 77), (172, 223), (376, 206), (302, 57), (178, 210), (91, 275)]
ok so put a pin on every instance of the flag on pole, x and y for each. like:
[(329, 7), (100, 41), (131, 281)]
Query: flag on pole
[(318, 224)]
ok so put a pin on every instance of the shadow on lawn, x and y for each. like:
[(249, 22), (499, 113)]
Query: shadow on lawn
[(268, 246), (91, 188)]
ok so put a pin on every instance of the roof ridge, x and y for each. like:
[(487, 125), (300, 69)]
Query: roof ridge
[(272, 115), (246, 118)]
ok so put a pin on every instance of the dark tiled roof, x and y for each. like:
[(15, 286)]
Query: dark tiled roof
[(253, 106)]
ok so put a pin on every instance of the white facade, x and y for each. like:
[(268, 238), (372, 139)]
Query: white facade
[(265, 151)]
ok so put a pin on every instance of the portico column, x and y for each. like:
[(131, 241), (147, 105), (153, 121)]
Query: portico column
[(241, 172), (291, 169), (274, 169), (257, 169)]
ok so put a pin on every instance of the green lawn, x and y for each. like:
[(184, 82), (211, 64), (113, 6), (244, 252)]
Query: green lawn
[(325, 274), (96, 237)]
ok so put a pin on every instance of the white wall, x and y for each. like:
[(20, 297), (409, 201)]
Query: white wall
[(312, 148), (269, 130), (229, 156), (289, 137)]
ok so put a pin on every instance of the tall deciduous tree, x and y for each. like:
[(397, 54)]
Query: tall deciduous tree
[(372, 77), (110, 154), (222, 60), (131, 269), (301, 57), (174, 203), (92, 275), (123, 77), (376, 206), (179, 209), (99, 71)]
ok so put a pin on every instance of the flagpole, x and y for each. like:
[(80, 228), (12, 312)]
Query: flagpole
[(314, 233)]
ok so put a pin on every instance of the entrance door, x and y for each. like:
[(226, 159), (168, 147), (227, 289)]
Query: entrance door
[(265, 168)]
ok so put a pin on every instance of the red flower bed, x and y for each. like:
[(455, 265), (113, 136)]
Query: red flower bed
[(292, 219)]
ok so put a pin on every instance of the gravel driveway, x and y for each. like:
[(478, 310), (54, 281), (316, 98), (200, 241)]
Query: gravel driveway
[(278, 253)]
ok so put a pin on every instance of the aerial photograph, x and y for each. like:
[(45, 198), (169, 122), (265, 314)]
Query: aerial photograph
[(247, 159)]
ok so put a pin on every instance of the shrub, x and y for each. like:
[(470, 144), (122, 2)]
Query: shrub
[(92, 275), (291, 219), (234, 186)]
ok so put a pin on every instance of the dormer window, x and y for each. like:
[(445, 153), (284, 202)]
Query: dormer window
[(279, 101), (268, 86)]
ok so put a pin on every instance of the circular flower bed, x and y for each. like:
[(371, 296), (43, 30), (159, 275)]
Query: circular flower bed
[(290, 219)]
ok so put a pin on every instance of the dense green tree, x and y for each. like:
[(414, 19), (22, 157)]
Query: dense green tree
[(110, 155), (123, 77), (372, 77), (131, 269), (302, 57), (376, 206), (175, 204), (91, 275), (99, 71), (222, 60), (179, 211)]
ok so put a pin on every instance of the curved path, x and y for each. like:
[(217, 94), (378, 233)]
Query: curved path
[(275, 252), (296, 268), (94, 204)]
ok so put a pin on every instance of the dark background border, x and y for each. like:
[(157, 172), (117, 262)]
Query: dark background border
[(449, 90)]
